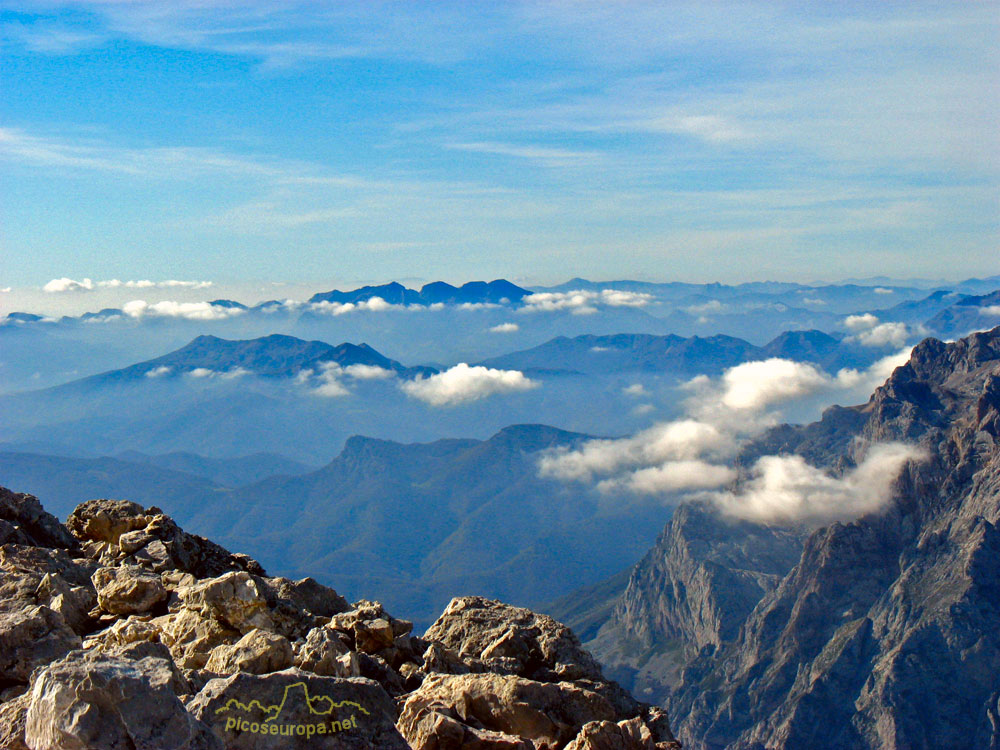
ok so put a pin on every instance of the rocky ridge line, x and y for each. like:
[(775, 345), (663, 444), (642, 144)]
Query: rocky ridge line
[(120, 630)]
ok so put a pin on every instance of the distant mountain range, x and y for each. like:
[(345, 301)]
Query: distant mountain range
[(222, 397), (232, 472), (601, 355), (274, 356), (411, 524), (499, 291)]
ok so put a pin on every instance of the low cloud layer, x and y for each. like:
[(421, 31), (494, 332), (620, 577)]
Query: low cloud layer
[(172, 309), (204, 373), (584, 302), (868, 331), (756, 385), (787, 489), (462, 384), (695, 453), (683, 440), (328, 379), (374, 304), (505, 328), (57, 286)]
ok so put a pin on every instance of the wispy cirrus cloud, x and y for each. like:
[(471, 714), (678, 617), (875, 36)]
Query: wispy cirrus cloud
[(547, 155), (751, 133), (162, 162), (65, 284)]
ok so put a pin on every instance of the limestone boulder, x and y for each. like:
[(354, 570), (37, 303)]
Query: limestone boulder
[(24, 521), (631, 734), (117, 531), (370, 628), (296, 709), (235, 599), (23, 570), (124, 632), (304, 595), (549, 714), (327, 652), (30, 637), (191, 636), (13, 716), (74, 603), (512, 640), (437, 730), (88, 700), (104, 521), (258, 652), (128, 590)]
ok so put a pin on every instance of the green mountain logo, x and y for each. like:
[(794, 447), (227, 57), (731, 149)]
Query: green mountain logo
[(320, 705)]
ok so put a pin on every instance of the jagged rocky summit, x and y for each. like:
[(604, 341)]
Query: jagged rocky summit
[(120, 631), (878, 634)]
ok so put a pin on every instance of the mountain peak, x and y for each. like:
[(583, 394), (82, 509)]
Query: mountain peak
[(436, 292)]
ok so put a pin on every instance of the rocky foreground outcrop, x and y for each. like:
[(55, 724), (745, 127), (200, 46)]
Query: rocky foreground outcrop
[(882, 633), (121, 631)]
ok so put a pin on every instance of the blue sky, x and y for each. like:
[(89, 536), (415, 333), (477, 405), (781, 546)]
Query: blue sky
[(322, 143)]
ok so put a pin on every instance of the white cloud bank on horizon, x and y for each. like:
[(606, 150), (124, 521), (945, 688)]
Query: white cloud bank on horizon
[(375, 304), (172, 309), (584, 302), (462, 384), (694, 453), (64, 284)]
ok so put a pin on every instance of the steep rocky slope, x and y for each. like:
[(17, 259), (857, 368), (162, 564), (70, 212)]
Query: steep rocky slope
[(881, 633), (121, 631)]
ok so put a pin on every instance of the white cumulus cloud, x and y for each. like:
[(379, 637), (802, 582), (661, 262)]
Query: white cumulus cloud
[(868, 331), (860, 322), (505, 328), (158, 372), (170, 309), (787, 489), (462, 384), (328, 380), (755, 385), (583, 302), (374, 304), (68, 285), (695, 453), (682, 440)]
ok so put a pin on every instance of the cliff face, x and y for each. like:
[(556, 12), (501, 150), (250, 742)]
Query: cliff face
[(879, 633), (120, 631)]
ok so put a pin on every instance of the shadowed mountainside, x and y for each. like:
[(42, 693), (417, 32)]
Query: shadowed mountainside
[(852, 635)]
